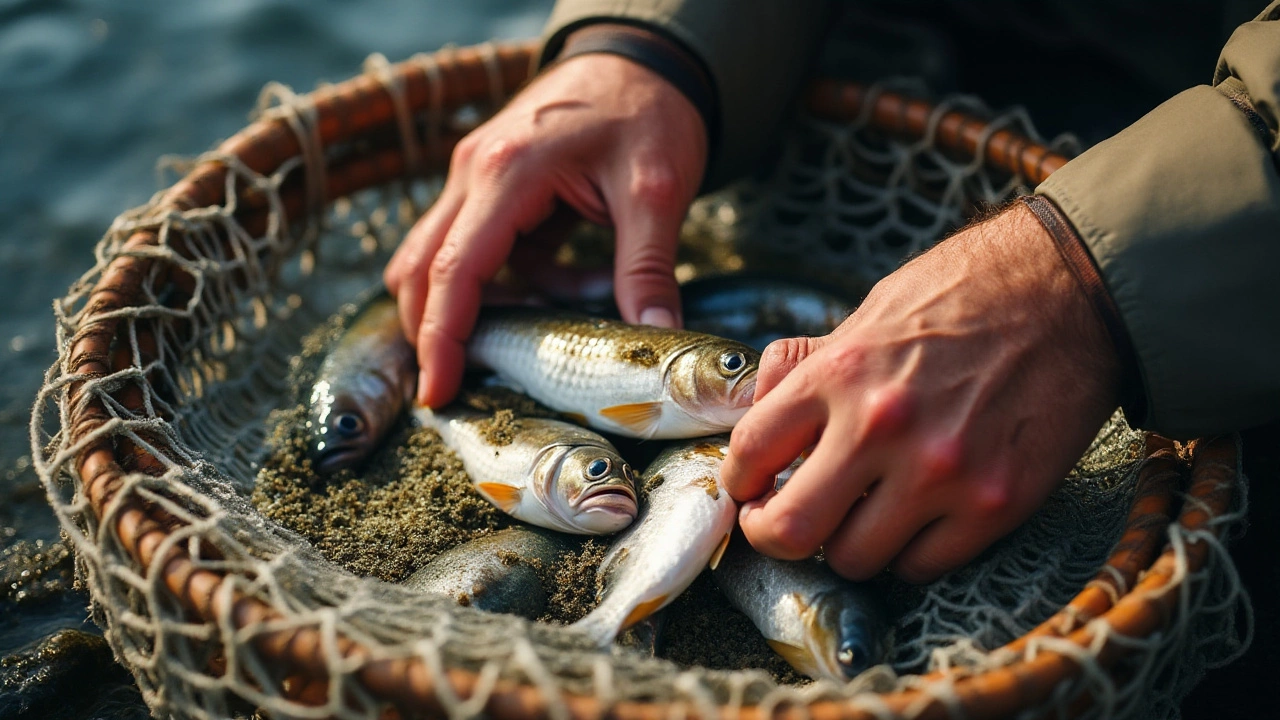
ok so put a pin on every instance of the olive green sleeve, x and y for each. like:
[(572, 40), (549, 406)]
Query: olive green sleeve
[(756, 52), (1181, 212)]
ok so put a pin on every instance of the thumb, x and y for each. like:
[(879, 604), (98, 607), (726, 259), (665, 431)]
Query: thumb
[(781, 357), (648, 224)]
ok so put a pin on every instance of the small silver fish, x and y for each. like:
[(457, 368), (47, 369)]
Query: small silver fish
[(633, 380), (545, 472), (362, 386), (820, 623), (494, 572), (756, 310), (683, 528)]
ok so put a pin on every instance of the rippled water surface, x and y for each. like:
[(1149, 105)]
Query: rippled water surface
[(92, 93)]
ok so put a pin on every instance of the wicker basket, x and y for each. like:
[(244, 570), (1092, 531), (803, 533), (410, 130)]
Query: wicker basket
[(363, 132)]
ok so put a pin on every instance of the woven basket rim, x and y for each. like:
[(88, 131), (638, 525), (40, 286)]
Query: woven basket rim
[(364, 104)]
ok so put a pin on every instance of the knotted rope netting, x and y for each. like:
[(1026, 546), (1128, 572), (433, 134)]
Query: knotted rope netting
[(175, 345)]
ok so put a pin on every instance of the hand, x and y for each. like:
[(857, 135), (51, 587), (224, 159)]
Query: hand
[(957, 397), (608, 137)]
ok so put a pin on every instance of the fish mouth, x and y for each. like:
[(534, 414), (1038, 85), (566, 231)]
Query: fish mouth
[(744, 390), (339, 458), (611, 498)]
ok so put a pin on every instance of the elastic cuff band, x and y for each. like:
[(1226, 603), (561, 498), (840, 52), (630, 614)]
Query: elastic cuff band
[(664, 57), (1083, 269)]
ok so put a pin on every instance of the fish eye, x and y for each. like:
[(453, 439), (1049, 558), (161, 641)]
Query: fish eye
[(348, 424), (598, 468), (732, 362), (628, 474), (852, 657)]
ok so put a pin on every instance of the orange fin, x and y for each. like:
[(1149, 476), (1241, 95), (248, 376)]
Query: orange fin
[(643, 610), (639, 418), (504, 496), (578, 418), (797, 657), (719, 552)]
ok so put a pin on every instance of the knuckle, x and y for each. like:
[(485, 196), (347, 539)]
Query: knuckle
[(790, 535), (745, 443), (445, 265), (464, 150), (786, 352), (844, 559), (941, 461), (994, 497), (656, 185), (647, 263), (498, 155), (887, 410)]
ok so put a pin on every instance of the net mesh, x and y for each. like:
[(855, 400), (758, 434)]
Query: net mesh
[(199, 377)]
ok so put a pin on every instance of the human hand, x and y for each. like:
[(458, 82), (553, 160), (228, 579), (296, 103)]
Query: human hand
[(601, 134), (957, 397)]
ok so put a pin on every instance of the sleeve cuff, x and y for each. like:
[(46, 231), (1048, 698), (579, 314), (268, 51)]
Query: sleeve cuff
[(755, 51), (1181, 214)]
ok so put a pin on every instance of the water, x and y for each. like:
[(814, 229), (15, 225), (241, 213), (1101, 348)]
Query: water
[(92, 93)]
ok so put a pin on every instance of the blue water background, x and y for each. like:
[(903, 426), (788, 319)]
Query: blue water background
[(92, 93)]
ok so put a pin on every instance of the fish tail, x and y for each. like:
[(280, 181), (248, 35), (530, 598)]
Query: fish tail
[(602, 625)]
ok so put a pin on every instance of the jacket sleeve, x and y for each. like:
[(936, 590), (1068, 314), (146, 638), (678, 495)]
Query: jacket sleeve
[(1181, 212), (756, 51)]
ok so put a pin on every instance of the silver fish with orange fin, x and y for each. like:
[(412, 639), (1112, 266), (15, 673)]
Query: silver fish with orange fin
[(361, 388), (683, 528), (633, 380), (545, 472), (820, 623)]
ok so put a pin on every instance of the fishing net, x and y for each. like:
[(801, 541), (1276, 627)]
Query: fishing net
[(176, 344)]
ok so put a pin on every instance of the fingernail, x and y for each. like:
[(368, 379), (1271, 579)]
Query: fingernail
[(658, 317), (422, 387)]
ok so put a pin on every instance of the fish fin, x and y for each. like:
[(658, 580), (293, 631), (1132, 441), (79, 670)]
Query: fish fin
[(506, 497), (643, 610), (719, 552), (578, 418), (797, 657), (640, 418)]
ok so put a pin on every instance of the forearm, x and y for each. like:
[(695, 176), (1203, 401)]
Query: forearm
[(1181, 215), (755, 53)]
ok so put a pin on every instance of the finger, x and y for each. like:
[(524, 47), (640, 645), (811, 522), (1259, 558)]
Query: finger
[(877, 529), (406, 274), (648, 213), (773, 433), (474, 249), (795, 522), (943, 546), (780, 357)]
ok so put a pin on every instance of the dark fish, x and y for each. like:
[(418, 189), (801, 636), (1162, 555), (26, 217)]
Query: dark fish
[(497, 572), (757, 310), (820, 623), (363, 385)]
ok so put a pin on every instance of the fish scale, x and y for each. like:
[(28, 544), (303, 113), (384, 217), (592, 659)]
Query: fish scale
[(633, 380)]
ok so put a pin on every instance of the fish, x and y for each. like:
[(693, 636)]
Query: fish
[(633, 380), (757, 310), (497, 572), (363, 385), (683, 528), (545, 472), (823, 625)]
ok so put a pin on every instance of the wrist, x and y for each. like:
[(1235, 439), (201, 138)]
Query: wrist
[(1079, 262)]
